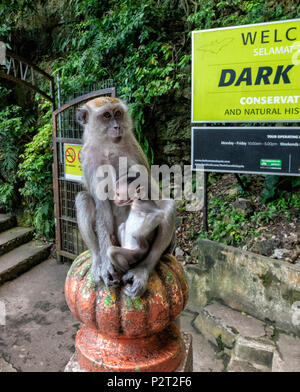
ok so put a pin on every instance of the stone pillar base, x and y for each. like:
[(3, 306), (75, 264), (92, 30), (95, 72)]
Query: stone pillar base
[(185, 366)]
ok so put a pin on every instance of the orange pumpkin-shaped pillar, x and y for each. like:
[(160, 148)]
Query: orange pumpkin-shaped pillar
[(120, 333)]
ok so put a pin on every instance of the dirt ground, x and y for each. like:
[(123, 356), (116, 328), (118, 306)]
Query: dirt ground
[(282, 232)]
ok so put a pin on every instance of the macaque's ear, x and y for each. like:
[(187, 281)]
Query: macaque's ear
[(82, 115)]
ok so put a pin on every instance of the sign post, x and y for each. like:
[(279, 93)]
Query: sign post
[(249, 150), (246, 74)]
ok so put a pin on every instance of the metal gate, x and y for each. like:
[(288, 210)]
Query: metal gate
[(67, 131), (19, 70)]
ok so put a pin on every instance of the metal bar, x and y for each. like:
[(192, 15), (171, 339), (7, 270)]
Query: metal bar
[(56, 190), (67, 140), (68, 219), (52, 94), (21, 71), (9, 65), (86, 97), (35, 67), (18, 80), (58, 143), (205, 202), (240, 181), (66, 254), (14, 67)]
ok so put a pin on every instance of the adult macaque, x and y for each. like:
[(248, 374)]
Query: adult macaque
[(108, 136), (137, 233)]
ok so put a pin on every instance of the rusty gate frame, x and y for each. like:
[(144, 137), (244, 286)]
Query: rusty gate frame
[(21, 71), (111, 91), (17, 71)]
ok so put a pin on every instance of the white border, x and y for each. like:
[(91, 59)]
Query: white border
[(192, 87), (237, 171), (73, 177)]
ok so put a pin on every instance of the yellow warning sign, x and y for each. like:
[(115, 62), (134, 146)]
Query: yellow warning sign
[(247, 73), (73, 169)]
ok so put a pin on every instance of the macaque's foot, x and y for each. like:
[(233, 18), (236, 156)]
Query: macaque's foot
[(109, 275), (118, 261), (96, 271), (135, 281)]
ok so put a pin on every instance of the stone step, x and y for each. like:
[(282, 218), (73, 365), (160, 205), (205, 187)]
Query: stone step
[(22, 258), (246, 340), (14, 237), (287, 357), (236, 365), (261, 286), (7, 222)]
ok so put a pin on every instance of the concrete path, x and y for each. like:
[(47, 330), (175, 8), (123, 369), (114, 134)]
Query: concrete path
[(205, 355), (40, 330)]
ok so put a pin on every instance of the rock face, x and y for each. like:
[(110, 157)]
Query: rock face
[(243, 206), (260, 286), (280, 253), (169, 129), (266, 247), (5, 366)]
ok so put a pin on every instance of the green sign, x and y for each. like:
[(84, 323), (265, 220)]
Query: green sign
[(270, 162), (247, 73)]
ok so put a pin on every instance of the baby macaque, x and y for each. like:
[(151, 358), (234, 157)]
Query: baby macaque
[(137, 233)]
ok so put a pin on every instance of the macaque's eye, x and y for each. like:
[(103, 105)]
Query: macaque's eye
[(118, 114), (107, 115)]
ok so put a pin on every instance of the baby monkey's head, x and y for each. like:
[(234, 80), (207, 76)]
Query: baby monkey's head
[(126, 192)]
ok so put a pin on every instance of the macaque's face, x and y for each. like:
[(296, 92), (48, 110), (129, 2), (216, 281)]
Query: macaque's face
[(104, 117), (111, 121)]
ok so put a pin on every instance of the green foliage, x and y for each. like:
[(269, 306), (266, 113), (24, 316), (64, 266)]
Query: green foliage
[(265, 216), (132, 44), (14, 129), (36, 172), (6, 196), (270, 189), (210, 13), (275, 186), (144, 46), (26, 164), (226, 224)]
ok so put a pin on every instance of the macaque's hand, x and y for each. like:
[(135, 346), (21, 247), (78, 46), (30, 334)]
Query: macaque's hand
[(109, 275), (104, 270), (135, 281)]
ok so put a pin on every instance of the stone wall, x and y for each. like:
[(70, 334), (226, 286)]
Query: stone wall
[(168, 128), (265, 288)]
